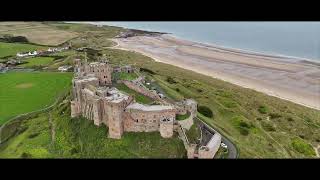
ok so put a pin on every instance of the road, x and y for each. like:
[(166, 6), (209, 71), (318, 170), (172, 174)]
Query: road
[(232, 150)]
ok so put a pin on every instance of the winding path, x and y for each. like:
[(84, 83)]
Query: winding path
[(232, 150)]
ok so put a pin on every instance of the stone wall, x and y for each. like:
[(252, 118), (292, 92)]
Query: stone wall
[(114, 117), (142, 90), (145, 121), (91, 107), (191, 151), (166, 127), (75, 109), (187, 105), (208, 151)]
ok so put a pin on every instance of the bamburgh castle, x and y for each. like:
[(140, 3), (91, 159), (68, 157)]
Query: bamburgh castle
[(96, 99)]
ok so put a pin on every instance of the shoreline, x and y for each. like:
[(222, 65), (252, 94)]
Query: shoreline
[(247, 51), (204, 53), (217, 46)]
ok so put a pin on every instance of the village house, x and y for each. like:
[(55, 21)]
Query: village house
[(13, 62), (64, 68), (3, 68)]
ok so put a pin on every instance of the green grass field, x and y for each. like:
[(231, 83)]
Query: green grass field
[(127, 76), (22, 92), (37, 62), (80, 138), (139, 97), (180, 117), (194, 133), (11, 49)]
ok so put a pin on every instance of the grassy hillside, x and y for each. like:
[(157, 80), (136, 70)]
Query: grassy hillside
[(37, 32), (56, 135), (37, 62), (22, 92), (242, 114)]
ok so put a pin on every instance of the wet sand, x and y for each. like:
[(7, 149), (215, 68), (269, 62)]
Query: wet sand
[(291, 79)]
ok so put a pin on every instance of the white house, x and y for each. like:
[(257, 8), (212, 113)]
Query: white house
[(22, 54), (64, 68)]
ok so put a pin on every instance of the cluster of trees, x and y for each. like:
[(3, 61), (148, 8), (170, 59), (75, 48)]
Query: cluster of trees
[(13, 39)]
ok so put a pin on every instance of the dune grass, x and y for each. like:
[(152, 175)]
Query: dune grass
[(237, 112)]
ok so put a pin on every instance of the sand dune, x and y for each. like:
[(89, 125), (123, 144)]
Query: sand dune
[(286, 78)]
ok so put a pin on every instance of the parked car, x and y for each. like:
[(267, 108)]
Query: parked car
[(224, 145)]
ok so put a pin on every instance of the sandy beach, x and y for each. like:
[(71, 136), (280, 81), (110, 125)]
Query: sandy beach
[(290, 79)]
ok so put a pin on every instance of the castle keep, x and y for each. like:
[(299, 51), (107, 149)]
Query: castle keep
[(95, 99)]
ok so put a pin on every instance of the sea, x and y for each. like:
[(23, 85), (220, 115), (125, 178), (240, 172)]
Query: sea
[(291, 39)]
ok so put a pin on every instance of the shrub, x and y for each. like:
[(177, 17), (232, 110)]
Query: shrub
[(33, 135), (170, 80), (290, 119), (25, 155), (303, 147), (73, 151), (147, 70), (205, 111), (267, 126), (243, 124), (13, 39), (274, 115), (263, 109), (244, 131)]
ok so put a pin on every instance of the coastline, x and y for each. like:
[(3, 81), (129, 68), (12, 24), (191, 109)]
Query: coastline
[(247, 51), (206, 59)]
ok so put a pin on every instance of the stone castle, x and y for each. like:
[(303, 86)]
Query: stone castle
[(95, 99)]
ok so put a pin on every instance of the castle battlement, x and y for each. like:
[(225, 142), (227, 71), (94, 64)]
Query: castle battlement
[(96, 101)]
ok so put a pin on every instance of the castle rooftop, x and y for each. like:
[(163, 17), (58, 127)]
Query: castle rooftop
[(97, 63), (137, 106), (115, 96), (86, 78)]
